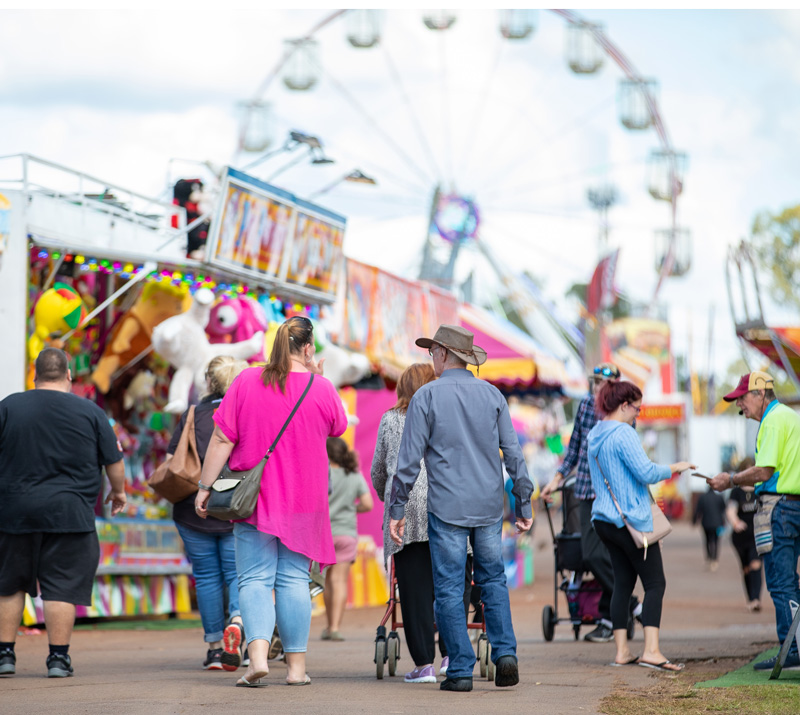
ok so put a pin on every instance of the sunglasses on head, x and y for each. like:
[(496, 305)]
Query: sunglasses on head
[(606, 371)]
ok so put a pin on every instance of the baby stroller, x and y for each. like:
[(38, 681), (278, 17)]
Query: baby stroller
[(387, 648), (582, 595)]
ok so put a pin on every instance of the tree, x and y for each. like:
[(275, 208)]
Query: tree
[(776, 242)]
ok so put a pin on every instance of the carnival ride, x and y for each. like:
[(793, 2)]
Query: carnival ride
[(417, 98), (780, 345), (419, 109)]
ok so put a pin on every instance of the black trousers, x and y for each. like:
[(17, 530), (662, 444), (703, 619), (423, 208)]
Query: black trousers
[(414, 573), (629, 563), (596, 558), (712, 542)]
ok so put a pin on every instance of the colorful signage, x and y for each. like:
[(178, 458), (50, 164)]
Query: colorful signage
[(674, 414), (317, 251), (640, 347), (385, 314), (267, 233)]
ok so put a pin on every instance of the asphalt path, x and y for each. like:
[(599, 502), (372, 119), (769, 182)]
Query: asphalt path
[(129, 671)]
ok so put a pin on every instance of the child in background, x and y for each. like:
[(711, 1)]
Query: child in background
[(348, 494)]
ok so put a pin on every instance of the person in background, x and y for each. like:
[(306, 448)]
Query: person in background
[(209, 543), (349, 494), (776, 478), (53, 448), (742, 506), (616, 457), (710, 513), (594, 552), (290, 526)]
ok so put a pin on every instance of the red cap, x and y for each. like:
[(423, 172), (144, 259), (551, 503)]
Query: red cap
[(751, 381)]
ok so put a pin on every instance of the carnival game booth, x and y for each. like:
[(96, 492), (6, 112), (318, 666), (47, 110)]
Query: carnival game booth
[(96, 268)]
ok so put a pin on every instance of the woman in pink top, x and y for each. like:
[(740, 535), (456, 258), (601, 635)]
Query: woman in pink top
[(290, 526)]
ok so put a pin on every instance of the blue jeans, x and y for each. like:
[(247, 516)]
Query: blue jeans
[(448, 544), (214, 567), (264, 564), (780, 565)]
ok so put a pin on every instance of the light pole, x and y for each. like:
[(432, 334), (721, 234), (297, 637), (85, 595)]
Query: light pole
[(356, 176), (293, 141)]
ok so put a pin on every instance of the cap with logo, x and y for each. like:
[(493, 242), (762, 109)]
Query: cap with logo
[(757, 380)]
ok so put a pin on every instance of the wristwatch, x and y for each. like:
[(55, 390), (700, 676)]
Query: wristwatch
[(204, 487), (731, 476)]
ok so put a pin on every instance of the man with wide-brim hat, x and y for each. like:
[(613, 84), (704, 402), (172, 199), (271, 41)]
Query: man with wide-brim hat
[(776, 478), (458, 424), (458, 341)]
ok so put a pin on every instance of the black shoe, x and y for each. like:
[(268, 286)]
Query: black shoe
[(213, 659), (601, 634), (59, 665), (506, 672), (8, 662), (459, 685), (792, 663)]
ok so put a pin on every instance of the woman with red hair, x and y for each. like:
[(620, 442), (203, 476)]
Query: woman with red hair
[(618, 464)]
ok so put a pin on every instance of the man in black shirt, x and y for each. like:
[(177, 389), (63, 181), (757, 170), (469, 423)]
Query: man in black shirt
[(53, 446)]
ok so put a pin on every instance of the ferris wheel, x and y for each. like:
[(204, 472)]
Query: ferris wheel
[(452, 131)]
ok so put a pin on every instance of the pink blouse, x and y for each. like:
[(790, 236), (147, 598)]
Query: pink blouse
[(293, 503)]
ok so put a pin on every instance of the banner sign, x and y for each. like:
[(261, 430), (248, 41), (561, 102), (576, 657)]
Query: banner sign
[(385, 314), (673, 414), (640, 347), (269, 234), (317, 250)]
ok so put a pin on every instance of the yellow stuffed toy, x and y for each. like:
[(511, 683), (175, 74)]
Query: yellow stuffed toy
[(58, 310)]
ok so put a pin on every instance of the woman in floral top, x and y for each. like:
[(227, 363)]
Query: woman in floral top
[(412, 560)]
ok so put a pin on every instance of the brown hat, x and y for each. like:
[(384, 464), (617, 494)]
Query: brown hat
[(458, 341)]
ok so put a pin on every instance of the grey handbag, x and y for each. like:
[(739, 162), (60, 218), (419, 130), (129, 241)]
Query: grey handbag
[(234, 495)]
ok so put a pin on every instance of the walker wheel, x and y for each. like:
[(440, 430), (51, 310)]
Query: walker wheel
[(483, 647), (548, 623), (393, 652), (489, 664), (380, 657)]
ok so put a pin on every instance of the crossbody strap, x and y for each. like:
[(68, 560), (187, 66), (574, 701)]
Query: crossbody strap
[(289, 418), (613, 498)]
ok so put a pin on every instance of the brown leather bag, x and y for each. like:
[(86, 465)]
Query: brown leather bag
[(177, 476)]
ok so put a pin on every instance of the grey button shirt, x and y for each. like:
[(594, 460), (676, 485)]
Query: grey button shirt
[(458, 424)]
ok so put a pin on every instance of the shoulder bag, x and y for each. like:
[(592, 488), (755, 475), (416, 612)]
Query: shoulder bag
[(177, 476), (234, 495), (642, 539)]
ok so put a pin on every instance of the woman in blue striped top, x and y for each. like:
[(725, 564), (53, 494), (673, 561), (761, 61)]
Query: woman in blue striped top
[(616, 455)]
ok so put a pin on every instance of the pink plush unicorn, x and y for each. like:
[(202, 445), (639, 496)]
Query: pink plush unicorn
[(234, 320)]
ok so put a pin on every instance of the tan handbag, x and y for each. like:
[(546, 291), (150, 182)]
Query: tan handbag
[(642, 539), (177, 476)]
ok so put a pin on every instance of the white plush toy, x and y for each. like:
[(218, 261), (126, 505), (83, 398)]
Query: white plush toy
[(341, 367), (182, 340)]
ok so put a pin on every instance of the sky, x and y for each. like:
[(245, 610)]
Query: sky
[(141, 98)]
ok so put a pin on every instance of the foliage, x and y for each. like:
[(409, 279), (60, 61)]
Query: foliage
[(776, 242)]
